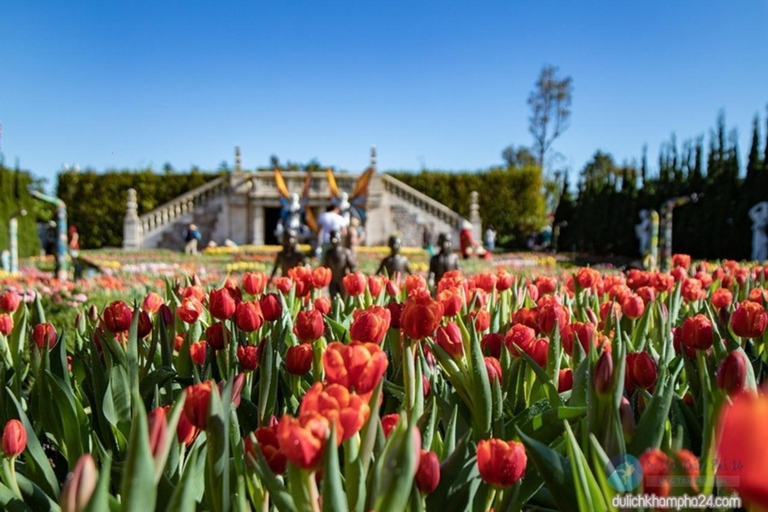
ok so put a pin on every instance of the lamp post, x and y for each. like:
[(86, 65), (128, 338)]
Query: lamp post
[(13, 234)]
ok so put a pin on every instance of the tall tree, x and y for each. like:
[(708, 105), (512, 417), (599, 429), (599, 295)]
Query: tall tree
[(516, 157), (754, 164), (550, 104)]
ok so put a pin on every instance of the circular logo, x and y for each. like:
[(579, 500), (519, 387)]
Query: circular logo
[(624, 473)]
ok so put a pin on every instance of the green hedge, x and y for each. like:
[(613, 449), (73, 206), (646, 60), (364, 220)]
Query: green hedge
[(510, 199), (96, 201), (13, 197)]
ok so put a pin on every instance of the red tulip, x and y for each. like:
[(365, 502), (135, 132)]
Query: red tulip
[(370, 325), (722, 298), (584, 332), (552, 314), (266, 438), (749, 320), (217, 336), (6, 324), (656, 472), (323, 305), (42, 334), (697, 332), (633, 306), (732, 373), (186, 432), (354, 283), (428, 474), (519, 337), (190, 310), (309, 325), (501, 463), (197, 352), (587, 278), (357, 366), (301, 439), (145, 325), (420, 316), (321, 277), (491, 344), (451, 299), (389, 422), (248, 357), (284, 284), (493, 367), (681, 260), (564, 380), (641, 370), (254, 282), (117, 317), (196, 404), (486, 281), (415, 282), (449, 338), (742, 447), (14, 438), (271, 307), (9, 302), (298, 359), (482, 319), (375, 284), (347, 410), (158, 430), (221, 304), (248, 316), (152, 302)]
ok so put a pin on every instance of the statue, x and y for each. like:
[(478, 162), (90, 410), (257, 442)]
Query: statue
[(289, 256), (354, 204), (445, 260), (643, 232), (395, 264), (341, 261), (295, 214), (759, 216), (667, 208)]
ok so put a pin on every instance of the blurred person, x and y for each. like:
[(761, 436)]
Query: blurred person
[(191, 239)]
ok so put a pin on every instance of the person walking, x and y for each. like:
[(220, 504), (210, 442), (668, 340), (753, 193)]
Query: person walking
[(191, 239)]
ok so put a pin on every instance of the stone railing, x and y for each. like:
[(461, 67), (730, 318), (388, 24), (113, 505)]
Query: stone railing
[(182, 205), (420, 200)]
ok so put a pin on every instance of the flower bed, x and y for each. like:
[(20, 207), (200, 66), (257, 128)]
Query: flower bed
[(179, 389)]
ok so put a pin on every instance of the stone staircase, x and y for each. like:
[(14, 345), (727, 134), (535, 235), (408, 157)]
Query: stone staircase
[(233, 207)]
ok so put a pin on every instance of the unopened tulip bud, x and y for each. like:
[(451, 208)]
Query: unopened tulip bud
[(80, 484), (165, 314), (93, 313), (158, 431), (591, 316), (14, 440), (604, 373), (732, 373), (428, 474), (627, 418)]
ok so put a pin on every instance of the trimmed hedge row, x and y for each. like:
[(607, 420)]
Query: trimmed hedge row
[(96, 201), (14, 197)]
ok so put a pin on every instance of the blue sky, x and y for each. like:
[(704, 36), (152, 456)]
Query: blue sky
[(440, 84)]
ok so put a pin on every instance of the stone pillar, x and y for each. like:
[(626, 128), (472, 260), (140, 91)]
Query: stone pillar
[(474, 217), (131, 223), (258, 225)]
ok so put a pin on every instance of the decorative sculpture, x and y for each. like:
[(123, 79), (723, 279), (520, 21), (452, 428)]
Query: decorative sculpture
[(759, 216), (395, 264), (445, 260), (667, 208), (289, 256), (353, 205), (643, 232), (295, 214), (341, 261)]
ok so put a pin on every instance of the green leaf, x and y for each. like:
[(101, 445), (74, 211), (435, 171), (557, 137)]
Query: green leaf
[(184, 493), (555, 470), (217, 464), (132, 351), (334, 499), (396, 469), (481, 389), (138, 491), (587, 490), (277, 492)]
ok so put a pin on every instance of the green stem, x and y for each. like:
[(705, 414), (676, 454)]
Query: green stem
[(9, 475), (409, 377)]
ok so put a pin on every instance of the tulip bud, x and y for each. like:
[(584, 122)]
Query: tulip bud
[(197, 352), (165, 314), (732, 373), (603, 379), (627, 418), (493, 367), (428, 474), (449, 339), (322, 304), (749, 320), (14, 438), (6, 324), (248, 316), (298, 359), (44, 334), (93, 313), (9, 302), (118, 317), (633, 307), (389, 422), (158, 431), (196, 404), (80, 485), (309, 325), (565, 380), (354, 283), (491, 344), (152, 302), (697, 332), (221, 304), (501, 463), (254, 282), (145, 325)]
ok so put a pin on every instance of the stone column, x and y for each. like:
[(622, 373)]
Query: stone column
[(474, 217), (131, 223), (258, 225)]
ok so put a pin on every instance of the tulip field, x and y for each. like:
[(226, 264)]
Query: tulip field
[(496, 388)]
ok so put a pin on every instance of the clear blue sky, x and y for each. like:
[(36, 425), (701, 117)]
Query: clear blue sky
[(440, 84)]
